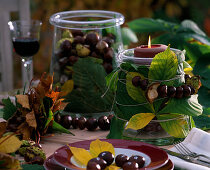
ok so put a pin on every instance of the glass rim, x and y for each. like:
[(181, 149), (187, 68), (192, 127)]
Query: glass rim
[(59, 19), (25, 22)]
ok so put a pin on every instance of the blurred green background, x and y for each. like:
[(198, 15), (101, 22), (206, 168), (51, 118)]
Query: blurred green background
[(169, 10)]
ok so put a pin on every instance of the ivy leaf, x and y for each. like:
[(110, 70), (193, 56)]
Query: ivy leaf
[(135, 93), (9, 144), (57, 127), (9, 108), (81, 155), (140, 120), (164, 66), (178, 127), (97, 146), (187, 106)]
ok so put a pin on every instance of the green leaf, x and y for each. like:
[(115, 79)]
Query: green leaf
[(89, 78), (164, 66), (9, 108), (128, 36), (190, 26), (139, 121), (47, 101), (204, 96), (127, 107), (151, 25), (1, 113), (32, 167), (49, 119), (177, 127), (203, 121), (116, 128), (136, 93), (57, 127), (144, 70), (112, 79), (187, 106)]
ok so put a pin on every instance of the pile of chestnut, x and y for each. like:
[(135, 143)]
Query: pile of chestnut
[(91, 124), (79, 45), (157, 90), (106, 158)]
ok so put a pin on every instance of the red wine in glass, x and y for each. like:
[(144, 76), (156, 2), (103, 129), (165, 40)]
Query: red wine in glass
[(26, 47)]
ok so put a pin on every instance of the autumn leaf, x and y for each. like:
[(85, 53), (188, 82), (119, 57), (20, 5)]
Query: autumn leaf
[(67, 87), (25, 130), (81, 155), (31, 120), (140, 120), (112, 167), (23, 100), (97, 146), (9, 144), (9, 162)]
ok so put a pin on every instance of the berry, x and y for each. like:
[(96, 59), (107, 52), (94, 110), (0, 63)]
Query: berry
[(138, 159), (186, 90), (136, 81), (192, 90), (77, 33), (93, 166), (179, 92), (81, 123), (92, 38), (171, 91), (144, 84), (108, 40), (91, 124), (95, 55), (162, 91), (107, 156), (75, 122), (130, 166), (99, 161), (121, 159), (103, 123), (57, 118), (66, 121)]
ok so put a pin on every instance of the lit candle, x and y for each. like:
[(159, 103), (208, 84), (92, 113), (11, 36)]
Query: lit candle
[(149, 51)]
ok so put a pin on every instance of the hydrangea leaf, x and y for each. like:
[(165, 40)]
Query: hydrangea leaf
[(140, 120), (97, 146)]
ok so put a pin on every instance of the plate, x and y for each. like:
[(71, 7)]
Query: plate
[(50, 164), (158, 158)]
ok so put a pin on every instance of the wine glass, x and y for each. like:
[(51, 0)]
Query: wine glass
[(25, 38)]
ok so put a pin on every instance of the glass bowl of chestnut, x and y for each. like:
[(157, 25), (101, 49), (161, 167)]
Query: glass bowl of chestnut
[(85, 48)]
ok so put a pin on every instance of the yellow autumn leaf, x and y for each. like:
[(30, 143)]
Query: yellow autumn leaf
[(97, 146), (112, 167), (81, 155), (140, 120), (23, 100), (9, 144), (67, 87)]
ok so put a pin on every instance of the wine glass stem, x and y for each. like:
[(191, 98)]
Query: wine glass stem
[(28, 72)]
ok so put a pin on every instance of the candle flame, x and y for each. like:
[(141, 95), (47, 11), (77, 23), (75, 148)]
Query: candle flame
[(149, 42)]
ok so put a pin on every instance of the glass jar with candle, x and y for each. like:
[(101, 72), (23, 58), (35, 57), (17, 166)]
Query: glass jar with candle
[(154, 101), (85, 46)]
